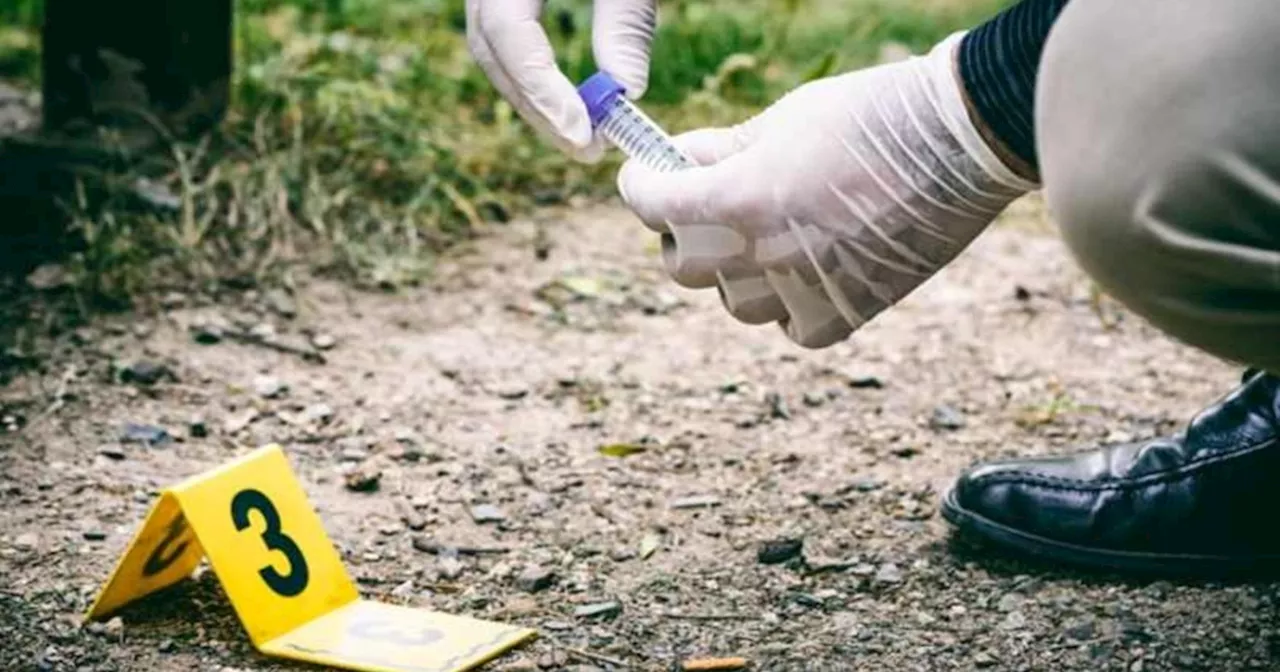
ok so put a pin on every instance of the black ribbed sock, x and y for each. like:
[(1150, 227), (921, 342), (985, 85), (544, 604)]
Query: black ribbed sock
[(998, 63)]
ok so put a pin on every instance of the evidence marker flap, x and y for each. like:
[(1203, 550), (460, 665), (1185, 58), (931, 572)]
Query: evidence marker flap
[(377, 637), (164, 551)]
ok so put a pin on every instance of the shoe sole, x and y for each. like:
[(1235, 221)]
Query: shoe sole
[(1100, 559)]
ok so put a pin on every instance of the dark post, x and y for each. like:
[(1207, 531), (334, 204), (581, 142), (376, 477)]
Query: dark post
[(131, 67), (120, 63)]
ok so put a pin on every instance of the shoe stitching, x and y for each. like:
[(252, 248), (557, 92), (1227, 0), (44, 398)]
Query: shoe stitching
[(1059, 483)]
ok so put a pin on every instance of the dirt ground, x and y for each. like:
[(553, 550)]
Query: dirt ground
[(497, 386)]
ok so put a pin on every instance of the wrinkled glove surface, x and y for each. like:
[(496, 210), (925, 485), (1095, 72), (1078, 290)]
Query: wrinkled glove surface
[(832, 204)]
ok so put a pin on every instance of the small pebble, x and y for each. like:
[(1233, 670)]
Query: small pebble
[(807, 600), (207, 334), (238, 421), (1081, 630), (777, 406), (866, 383), (598, 610), (406, 436), (150, 435), (263, 330), (146, 373), (501, 571), (353, 454), (173, 300), (323, 341), (1009, 602), (410, 453), (363, 479), (451, 567), (321, 413), (696, 502), (622, 554), (403, 590), (268, 387), (865, 484), (1015, 620), (512, 391), (776, 551), (535, 579), (112, 452), (487, 513), (518, 665), (1159, 589), (198, 428), (946, 417), (984, 659), (520, 607), (888, 573), (94, 535), (283, 304)]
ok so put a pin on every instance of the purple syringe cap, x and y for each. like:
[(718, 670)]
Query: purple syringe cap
[(600, 92)]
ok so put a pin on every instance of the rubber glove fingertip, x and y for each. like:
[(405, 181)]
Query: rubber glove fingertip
[(624, 177), (577, 129), (591, 154), (636, 181), (641, 196), (636, 86)]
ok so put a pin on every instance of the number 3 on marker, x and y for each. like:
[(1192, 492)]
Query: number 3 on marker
[(295, 581)]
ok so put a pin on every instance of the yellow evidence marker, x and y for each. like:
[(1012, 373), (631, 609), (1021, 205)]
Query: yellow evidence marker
[(284, 578)]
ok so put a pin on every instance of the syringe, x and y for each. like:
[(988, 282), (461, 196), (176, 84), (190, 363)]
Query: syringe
[(627, 127)]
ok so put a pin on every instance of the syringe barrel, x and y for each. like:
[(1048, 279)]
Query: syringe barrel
[(627, 127), (639, 137)]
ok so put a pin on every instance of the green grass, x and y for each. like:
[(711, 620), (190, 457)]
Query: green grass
[(363, 141)]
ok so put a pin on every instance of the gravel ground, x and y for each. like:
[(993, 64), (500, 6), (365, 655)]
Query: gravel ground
[(776, 504)]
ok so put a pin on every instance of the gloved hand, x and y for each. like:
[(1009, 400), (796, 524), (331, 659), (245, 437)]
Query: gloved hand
[(505, 38), (832, 204)]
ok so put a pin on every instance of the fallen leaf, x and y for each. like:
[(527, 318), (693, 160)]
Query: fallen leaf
[(584, 286), (649, 545), (622, 449), (714, 664)]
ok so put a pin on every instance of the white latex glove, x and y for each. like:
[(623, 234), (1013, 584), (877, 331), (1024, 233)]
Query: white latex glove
[(832, 204), (505, 38)]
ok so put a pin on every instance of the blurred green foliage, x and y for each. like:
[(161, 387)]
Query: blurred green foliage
[(363, 140)]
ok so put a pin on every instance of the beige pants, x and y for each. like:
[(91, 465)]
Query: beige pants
[(1158, 129)]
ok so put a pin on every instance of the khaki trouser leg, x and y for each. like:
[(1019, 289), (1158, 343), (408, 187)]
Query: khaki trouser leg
[(1158, 129)]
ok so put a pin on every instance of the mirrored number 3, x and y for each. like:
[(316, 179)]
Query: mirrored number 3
[(379, 631), (166, 552), (295, 580)]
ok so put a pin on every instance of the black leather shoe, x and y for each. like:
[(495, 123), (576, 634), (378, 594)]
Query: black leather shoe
[(1205, 500)]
